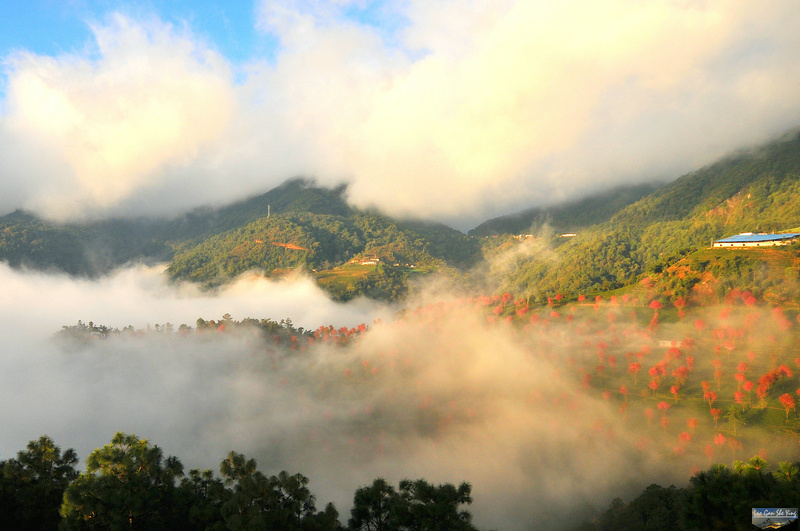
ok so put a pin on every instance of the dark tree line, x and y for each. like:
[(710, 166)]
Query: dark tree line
[(130, 484), (283, 329), (719, 498)]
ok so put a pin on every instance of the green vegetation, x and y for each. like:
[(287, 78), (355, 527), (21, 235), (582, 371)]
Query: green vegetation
[(295, 226), (335, 248), (78, 249), (275, 331), (130, 484), (717, 498), (755, 191), (622, 236), (711, 275), (567, 217)]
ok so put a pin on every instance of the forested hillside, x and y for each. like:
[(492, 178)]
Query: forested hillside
[(756, 191), (88, 249), (296, 225), (317, 242), (567, 217), (621, 235)]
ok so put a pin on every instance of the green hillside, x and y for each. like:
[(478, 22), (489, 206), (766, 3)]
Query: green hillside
[(297, 225), (89, 249), (567, 217), (324, 243), (756, 191), (711, 275), (295, 195), (621, 235)]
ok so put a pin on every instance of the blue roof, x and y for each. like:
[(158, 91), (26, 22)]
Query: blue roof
[(744, 238)]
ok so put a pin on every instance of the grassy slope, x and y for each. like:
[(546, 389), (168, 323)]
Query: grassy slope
[(756, 191)]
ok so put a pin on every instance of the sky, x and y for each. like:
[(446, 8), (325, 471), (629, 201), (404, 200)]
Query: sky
[(453, 110)]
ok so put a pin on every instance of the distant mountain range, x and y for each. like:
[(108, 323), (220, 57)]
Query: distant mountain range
[(619, 234)]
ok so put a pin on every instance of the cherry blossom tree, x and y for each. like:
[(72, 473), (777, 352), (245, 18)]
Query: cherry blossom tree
[(788, 403)]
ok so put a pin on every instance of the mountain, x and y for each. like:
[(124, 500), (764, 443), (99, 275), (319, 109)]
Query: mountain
[(296, 225), (293, 196), (756, 190), (621, 236), (87, 249), (567, 217)]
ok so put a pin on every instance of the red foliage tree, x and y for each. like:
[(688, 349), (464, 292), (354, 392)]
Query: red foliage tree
[(709, 451), (715, 412), (788, 403), (680, 374), (748, 386), (674, 390), (634, 368), (710, 397), (738, 397)]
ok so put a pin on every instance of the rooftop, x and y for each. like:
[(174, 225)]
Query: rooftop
[(752, 237)]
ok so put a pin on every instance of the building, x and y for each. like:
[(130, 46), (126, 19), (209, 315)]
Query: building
[(750, 239)]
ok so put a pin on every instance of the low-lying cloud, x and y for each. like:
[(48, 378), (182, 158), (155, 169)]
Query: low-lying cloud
[(530, 411), (464, 110)]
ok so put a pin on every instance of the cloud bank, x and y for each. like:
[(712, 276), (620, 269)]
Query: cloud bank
[(527, 406), (454, 110), (438, 395)]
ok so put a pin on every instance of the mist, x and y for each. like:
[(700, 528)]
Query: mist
[(489, 107), (523, 403)]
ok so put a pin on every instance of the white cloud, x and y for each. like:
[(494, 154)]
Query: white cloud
[(426, 396), (150, 100), (473, 107)]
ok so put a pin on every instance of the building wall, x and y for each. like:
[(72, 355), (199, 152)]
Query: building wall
[(755, 244)]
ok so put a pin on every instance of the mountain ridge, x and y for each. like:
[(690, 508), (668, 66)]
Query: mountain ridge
[(621, 234)]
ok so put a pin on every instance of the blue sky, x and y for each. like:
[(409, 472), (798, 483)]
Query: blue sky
[(54, 27), (453, 110)]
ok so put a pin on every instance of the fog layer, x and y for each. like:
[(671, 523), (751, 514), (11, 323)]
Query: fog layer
[(526, 404)]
